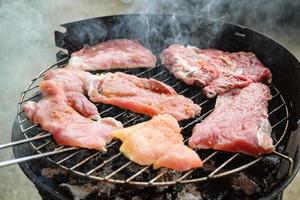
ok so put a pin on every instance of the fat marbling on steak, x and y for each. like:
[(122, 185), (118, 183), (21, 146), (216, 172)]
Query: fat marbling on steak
[(141, 95), (217, 71), (239, 123), (112, 54)]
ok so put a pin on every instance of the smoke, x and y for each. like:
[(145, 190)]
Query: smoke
[(261, 14), (278, 19)]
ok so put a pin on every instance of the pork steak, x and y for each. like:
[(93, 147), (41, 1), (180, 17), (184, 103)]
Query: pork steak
[(239, 123), (217, 71)]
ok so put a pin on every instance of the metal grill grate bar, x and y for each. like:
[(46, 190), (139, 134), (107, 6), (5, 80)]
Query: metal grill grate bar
[(118, 170), (223, 165), (34, 87), (85, 160), (138, 173), (103, 163), (69, 156), (191, 171), (32, 97), (37, 137)]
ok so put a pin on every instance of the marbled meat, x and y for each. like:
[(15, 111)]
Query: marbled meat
[(141, 95), (112, 54), (217, 71), (239, 123)]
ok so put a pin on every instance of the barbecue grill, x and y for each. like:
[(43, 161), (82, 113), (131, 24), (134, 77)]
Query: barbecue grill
[(156, 32)]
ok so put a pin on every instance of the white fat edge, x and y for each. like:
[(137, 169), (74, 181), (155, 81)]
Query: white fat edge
[(265, 129), (185, 69), (30, 104), (194, 49), (190, 47), (112, 121), (89, 82), (95, 117), (77, 62)]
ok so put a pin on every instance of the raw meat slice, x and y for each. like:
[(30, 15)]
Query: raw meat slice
[(82, 105), (141, 95), (71, 83), (158, 142), (239, 123), (112, 54), (217, 71), (69, 127), (65, 80)]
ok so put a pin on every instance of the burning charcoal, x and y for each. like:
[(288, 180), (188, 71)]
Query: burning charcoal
[(106, 189), (245, 184), (170, 175), (209, 165), (188, 196), (119, 198), (136, 198), (79, 192), (271, 161), (107, 169), (164, 196), (189, 192), (161, 189)]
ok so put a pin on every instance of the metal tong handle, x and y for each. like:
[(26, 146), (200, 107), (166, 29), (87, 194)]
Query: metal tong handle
[(2, 146), (27, 158)]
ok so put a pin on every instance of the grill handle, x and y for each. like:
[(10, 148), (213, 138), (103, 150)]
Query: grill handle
[(28, 158)]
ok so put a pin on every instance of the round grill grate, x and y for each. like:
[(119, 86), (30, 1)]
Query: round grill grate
[(113, 167)]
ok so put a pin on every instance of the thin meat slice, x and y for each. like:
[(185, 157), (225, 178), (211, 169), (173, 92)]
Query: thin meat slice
[(141, 95), (71, 83), (65, 80), (217, 71), (112, 54), (67, 126), (157, 142), (82, 105), (239, 123)]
